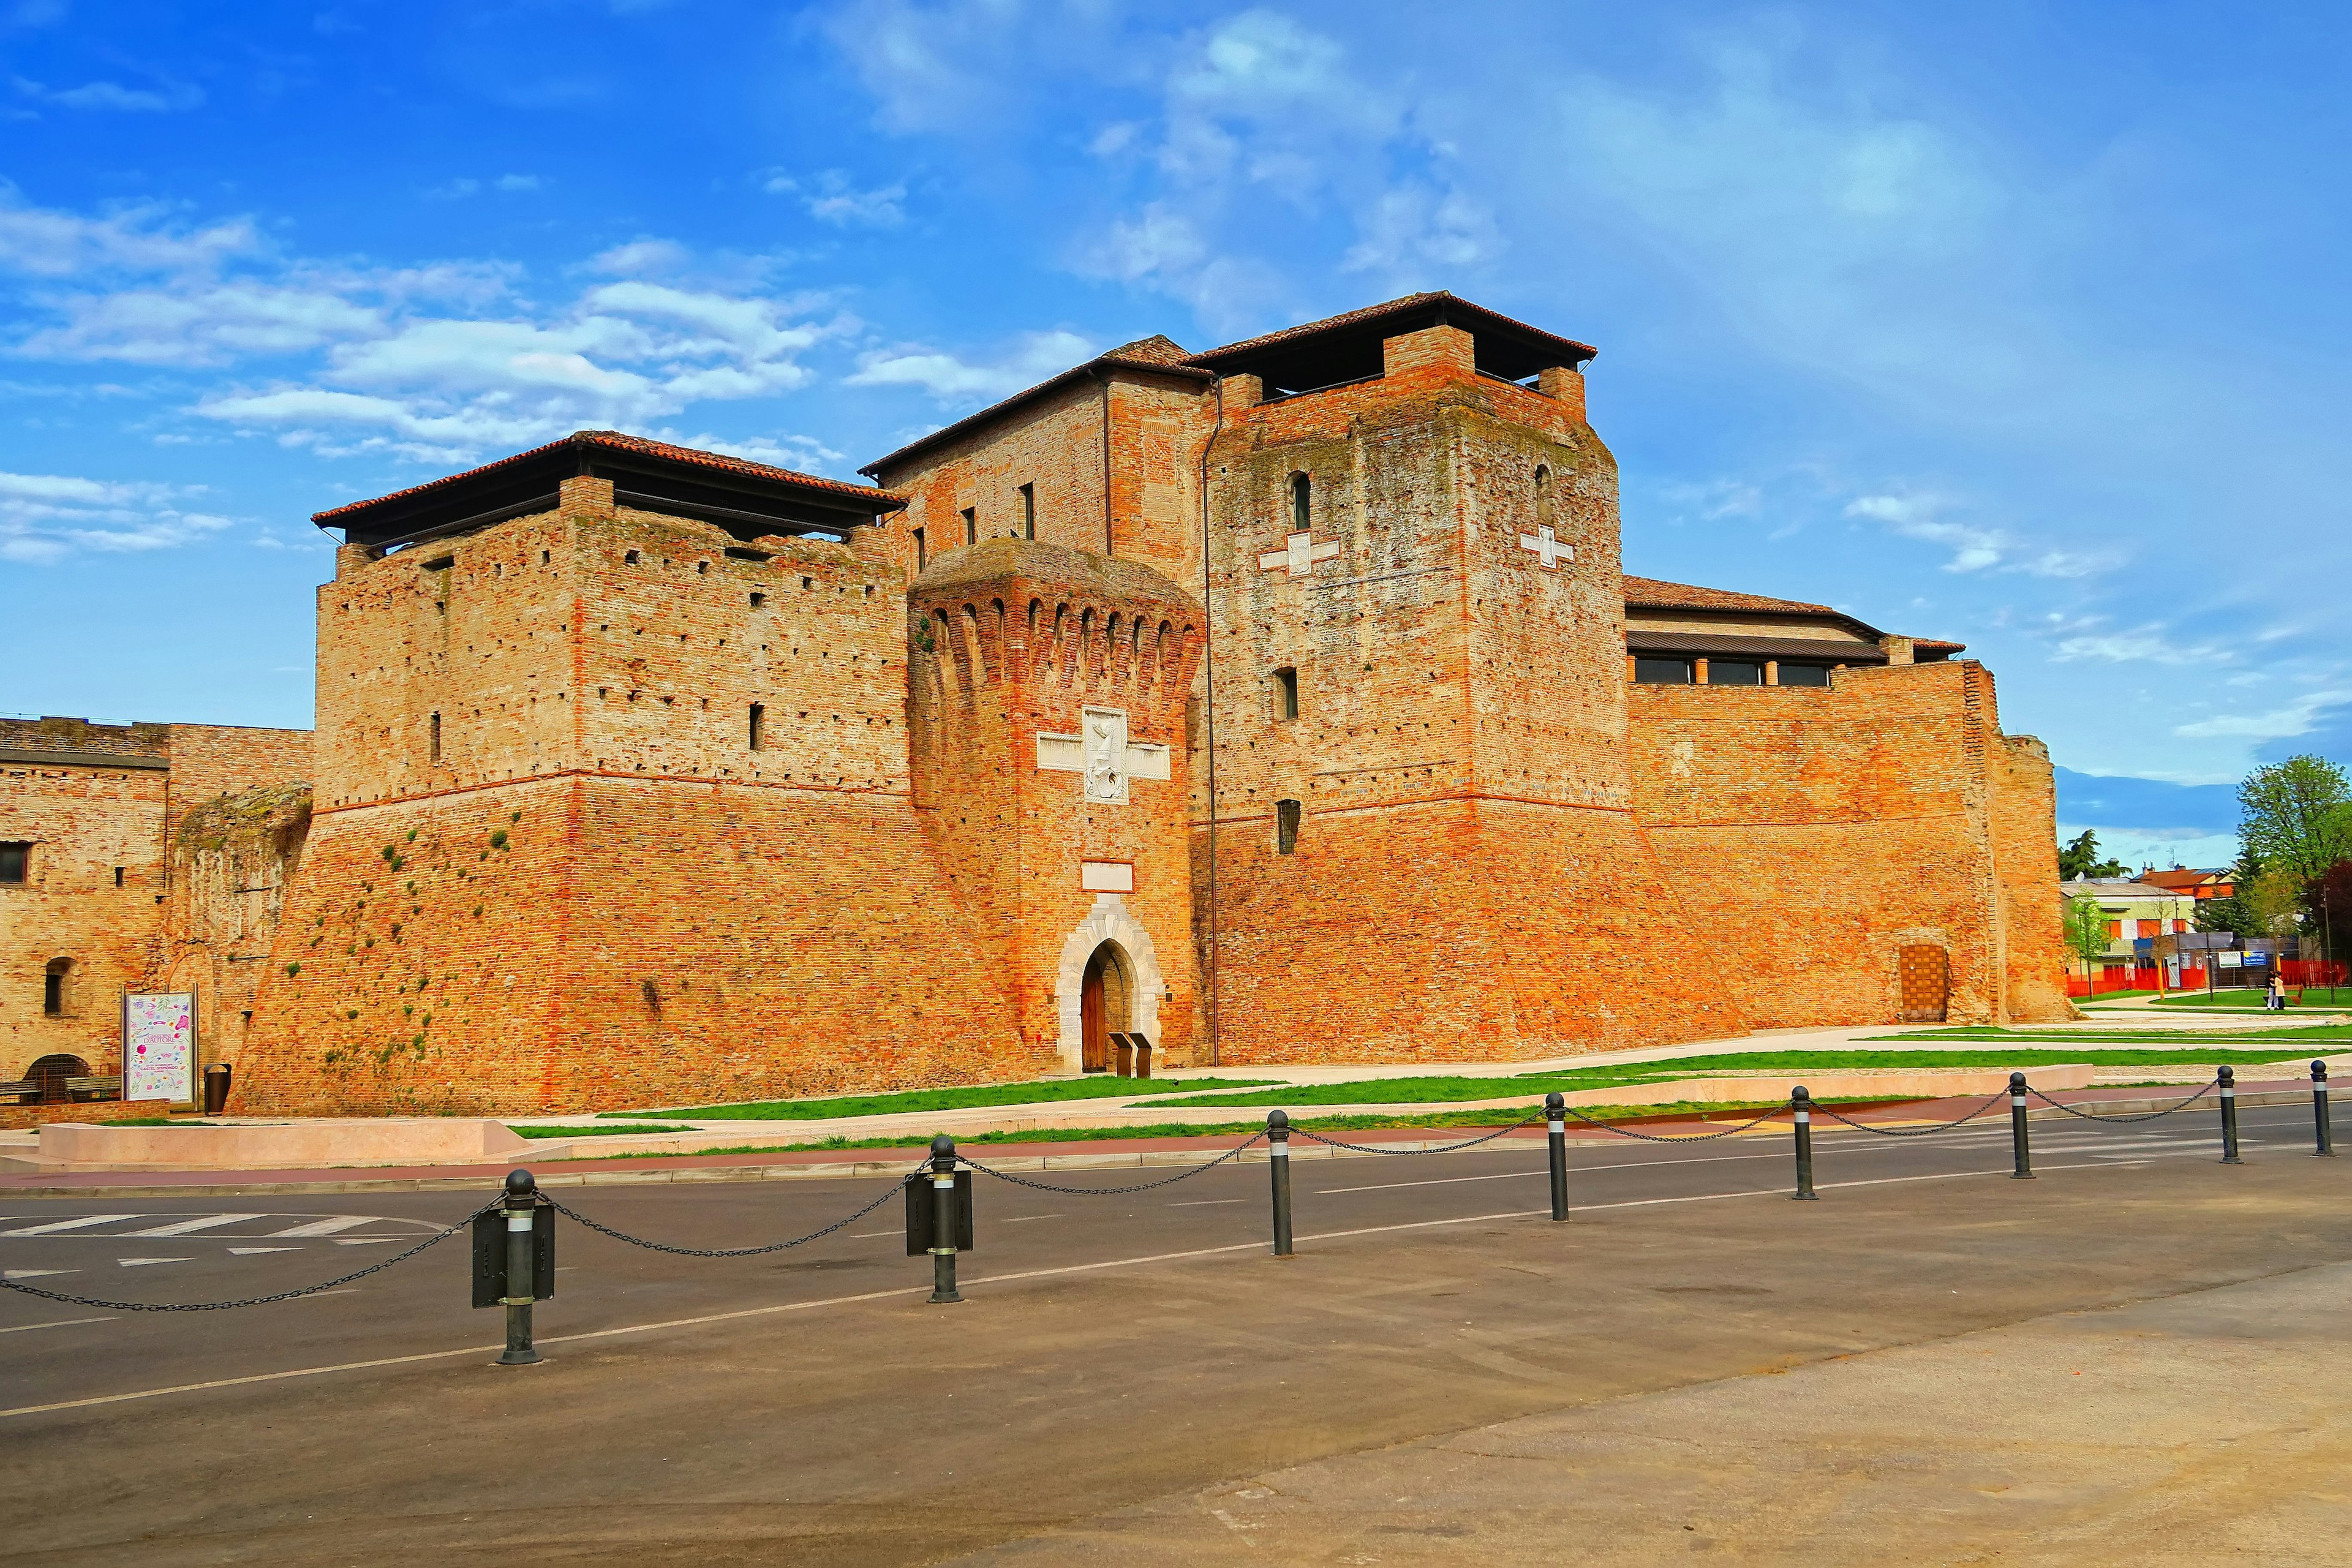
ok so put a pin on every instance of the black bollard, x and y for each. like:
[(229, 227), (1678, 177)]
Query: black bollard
[(522, 1204), (943, 1221), (1801, 1106), (1277, 1136), (2024, 1172), (1556, 1109), (2319, 1126), (2229, 1118)]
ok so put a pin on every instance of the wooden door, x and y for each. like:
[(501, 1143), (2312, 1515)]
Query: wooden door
[(1924, 983), (1094, 1050)]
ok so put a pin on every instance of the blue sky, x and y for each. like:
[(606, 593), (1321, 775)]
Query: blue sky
[(2018, 325)]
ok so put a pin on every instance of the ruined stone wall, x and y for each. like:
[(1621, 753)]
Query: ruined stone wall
[(1812, 832), (1015, 641), (232, 860), (2024, 828), (84, 821), (1468, 880)]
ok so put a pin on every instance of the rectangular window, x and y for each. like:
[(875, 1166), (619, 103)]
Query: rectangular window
[(922, 555), (758, 727), (1285, 827), (1804, 674), (1028, 511), (1286, 693), (1734, 673), (14, 860), (437, 737), (972, 525), (53, 990), (118, 875), (759, 599), (1662, 671)]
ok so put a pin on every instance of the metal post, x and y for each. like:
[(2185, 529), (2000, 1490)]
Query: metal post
[(521, 1200), (1556, 1109), (2320, 1129), (2024, 1172), (2229, 1118), (1800, 1106), (1278, 1135), (943, 1221)]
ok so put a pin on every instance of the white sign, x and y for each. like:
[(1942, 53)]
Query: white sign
[(1105, 877), (2230, 958), (158, 1047), (1104, 754)]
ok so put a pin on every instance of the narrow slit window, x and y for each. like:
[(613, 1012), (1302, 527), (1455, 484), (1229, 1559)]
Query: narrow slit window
[(972, 525), (922, 554), (118, 875), (759, 726), (1028, 511), (1285, 827), (437, 737), (1302, 502), (53, 986), (1286, 693), (16, 861)]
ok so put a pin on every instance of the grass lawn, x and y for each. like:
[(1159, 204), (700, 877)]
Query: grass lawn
[(1473, 1120), (2251, 1000), (1430, 1091), (2285, 1039), (1102, 1086), (632, 1128)]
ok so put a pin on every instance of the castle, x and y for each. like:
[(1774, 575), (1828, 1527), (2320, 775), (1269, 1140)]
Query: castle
[(1280, 703)]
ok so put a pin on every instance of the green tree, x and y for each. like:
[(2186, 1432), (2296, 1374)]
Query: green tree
[(2080, 858), (2296, 816), (2086, 931)]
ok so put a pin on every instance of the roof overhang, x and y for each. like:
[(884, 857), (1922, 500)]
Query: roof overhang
[(1347, 348)]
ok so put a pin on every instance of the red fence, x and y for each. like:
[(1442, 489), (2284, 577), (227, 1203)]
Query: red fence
[(2311, 971)]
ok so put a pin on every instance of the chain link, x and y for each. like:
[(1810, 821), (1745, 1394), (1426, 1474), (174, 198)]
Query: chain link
[(736, 1251), (1111, 1192), (2148, 1117), (1912, 1131), (1668, 1138), (377, 1268), (1441, 1149)]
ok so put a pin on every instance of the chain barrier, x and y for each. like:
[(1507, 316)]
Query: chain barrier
[(1111, 1192), (1668, 1138), (1913, 1132), (2150, 1116), (1441, 1149), (893, 1191), (377, 1268)]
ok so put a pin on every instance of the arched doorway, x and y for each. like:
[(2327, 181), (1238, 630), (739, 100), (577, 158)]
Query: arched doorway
[(1105, 997), (51, 1072)]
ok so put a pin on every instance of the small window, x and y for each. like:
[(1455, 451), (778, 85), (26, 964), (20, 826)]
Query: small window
[(972, 525), (1285, 827), (630, 559), (1804, 674), (15, 859), (53, 986), (545, 556), (1734, 673), (1028, 511), (1302, 497), (759, 726), (118, 875), (922, 553), (701, 568), (1662, 671), (1286, 693), (758, 600), (437, 737)]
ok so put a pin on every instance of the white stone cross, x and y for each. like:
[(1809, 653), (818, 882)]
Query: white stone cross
[(1545, 543), (1104, 754), (1299, 554)]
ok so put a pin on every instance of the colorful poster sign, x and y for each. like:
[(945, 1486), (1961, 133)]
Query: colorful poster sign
[(158, 1047)]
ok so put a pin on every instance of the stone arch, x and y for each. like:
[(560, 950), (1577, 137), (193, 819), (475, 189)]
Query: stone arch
[(1109, 921)]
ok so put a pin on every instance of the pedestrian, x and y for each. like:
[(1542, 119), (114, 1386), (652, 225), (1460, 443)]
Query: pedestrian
[(2276, 1000)]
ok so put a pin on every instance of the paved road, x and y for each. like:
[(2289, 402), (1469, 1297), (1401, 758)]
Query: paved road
[(1111, 1348)]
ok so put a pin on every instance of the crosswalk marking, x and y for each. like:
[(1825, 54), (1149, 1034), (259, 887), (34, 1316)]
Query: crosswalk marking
[(34, 1273), (202, 1222), (363, 1240), (82, 1224), (142, 1262), (323, 1227), (249, 1251), (60, 1323)]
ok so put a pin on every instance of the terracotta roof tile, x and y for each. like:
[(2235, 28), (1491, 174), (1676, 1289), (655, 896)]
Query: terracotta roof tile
[(1649, 594), (614, 440)]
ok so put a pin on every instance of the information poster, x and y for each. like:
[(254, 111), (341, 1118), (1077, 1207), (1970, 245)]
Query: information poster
[(158, 1047)]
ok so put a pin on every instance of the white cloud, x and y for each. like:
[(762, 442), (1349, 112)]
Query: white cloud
[(2299, 717), (518, 181), (951, 379), (108, 96), (47, 517), (47, 244), (2076, 638), (640, 258), (831, 197), (1974, 547)]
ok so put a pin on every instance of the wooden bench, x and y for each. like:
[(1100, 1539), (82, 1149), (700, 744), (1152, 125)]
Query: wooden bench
[(25, 1092), (88, 1089)]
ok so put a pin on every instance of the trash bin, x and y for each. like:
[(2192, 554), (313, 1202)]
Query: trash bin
[(216, 1076)]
